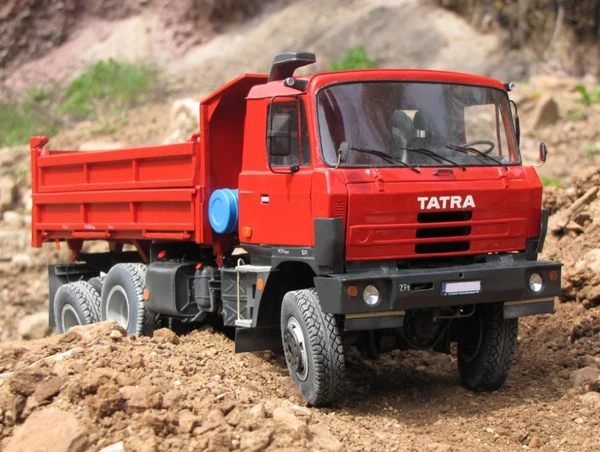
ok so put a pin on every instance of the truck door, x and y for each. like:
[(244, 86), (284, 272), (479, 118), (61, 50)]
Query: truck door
[(275, 203)]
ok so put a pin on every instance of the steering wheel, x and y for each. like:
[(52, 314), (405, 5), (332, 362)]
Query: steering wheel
[(488, 143)]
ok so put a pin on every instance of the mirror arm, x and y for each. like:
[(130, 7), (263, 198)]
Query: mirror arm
[(517, 123)]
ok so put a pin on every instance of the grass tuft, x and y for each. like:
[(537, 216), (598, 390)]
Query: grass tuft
[(549, 181), (103, 93), (354, 58), (27, 116), (108, 87)]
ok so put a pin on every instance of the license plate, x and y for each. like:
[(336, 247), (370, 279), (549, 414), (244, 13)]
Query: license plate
[(461, 287)]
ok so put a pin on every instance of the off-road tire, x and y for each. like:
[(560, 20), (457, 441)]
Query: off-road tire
[(488, 368), (324, 349), (127, 283), (75, 303), (97, 283)]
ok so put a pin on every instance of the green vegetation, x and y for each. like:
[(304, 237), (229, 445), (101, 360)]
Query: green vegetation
[(354, 58), (576, 114), (549, 181), (107, 87), (103, 93), (588, 97), (20, 119), (591, 149)]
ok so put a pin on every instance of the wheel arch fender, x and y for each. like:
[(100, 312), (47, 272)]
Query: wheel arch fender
[(287, 276)]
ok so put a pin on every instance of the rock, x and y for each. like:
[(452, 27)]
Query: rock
[(97, 330), (34, 326), (13, 242), (185, 115), (584, 377), (287, 419), (141, 397), (165, 335), (8, 191), (323, 439), (591, 399), (27, 201), (50, 429), (257, 440), (12, 218), (438, 447), (545, 112), (536, 442), (47, 389), (591, 260), (21, 258), (258, 411), (296, 409), (100, 146), (188, 421), (116, 335), (116, 447)]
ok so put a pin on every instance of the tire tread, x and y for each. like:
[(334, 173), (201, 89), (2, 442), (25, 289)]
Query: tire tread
[(85, 296), (490, 370), (328, 350)]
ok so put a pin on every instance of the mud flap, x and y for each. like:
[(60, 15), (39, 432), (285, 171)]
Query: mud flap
[(258, 339)]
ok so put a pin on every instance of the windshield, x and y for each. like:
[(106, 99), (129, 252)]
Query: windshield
[(415, 123)]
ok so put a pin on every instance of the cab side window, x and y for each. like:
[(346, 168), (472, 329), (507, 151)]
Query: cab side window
[(287, 130)]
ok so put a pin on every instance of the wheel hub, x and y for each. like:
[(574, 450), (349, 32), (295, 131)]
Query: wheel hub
[(295, 348), (117, 306)]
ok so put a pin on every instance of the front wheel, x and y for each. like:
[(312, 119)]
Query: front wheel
[(313, 347), (486, 348)]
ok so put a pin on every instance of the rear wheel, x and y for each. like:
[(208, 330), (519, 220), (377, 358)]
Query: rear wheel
[(123, 299), (75, 304), (313, 347), (96, 283), (486, 348)]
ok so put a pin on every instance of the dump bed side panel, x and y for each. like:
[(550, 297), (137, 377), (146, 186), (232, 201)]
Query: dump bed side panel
[(142, 193)]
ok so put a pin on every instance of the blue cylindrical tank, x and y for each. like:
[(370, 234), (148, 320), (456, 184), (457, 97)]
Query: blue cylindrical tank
[(223, 210)]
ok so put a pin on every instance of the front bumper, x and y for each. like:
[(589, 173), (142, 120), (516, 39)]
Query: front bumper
[(501, 280)]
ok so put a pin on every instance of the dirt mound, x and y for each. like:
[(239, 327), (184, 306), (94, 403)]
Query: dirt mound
[(192, 393), (574, 236)]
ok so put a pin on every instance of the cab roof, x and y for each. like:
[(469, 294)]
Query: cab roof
[(319, 80)]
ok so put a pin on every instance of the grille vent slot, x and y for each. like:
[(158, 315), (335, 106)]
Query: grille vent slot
[(442, 247), (444, 217), (430, 233)]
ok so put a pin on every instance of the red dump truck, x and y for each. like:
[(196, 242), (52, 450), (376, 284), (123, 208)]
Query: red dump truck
[(386, 209)]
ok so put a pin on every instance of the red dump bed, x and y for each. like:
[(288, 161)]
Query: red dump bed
[(141, 193), (156, 192)]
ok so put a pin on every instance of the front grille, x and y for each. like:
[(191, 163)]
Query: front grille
[(459, 231), (442, 247), (444, 217)]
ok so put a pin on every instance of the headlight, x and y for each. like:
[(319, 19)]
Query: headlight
[(535, 282), (371, 295)]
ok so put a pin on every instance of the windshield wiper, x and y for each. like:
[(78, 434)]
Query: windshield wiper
[(345, 147), (466, 150), (434, 156)]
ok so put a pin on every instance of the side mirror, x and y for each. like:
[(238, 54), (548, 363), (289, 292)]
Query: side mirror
[(543, 152), (280, 135)]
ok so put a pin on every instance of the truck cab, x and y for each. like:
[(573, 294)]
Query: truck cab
[(385, 209)]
